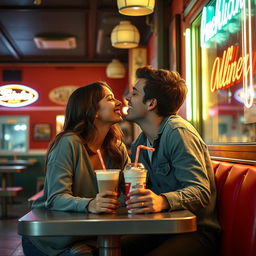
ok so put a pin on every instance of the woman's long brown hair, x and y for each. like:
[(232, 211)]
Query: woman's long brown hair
[(80, 115)]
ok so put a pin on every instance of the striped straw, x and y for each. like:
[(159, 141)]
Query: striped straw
[(138, 153), (101, 160)]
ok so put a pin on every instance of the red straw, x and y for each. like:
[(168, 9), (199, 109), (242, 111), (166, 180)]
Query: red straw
[(101, 160), (138, 153)]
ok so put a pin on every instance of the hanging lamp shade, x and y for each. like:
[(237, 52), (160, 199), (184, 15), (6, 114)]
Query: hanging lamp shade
[(115, 69), (125, 35), (136, 7)]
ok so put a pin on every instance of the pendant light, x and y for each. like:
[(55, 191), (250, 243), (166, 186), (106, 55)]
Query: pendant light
[(136, 7), (125, 35), (115, 69)]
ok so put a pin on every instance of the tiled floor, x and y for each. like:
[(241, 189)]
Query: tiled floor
[(10, 241)]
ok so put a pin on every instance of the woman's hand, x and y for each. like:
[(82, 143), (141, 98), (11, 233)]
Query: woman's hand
[(145, 201), (104, 202)]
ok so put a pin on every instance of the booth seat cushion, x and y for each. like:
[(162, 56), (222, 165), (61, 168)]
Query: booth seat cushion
[(236, 202)]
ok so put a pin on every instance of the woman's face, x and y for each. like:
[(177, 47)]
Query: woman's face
[(109, 108)]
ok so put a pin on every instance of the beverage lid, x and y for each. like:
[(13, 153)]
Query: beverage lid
[(139, 168)]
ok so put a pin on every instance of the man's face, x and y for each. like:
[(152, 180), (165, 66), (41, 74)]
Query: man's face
[(137, 110)]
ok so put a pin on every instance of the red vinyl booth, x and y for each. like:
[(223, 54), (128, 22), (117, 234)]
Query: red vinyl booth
[(236, 202)]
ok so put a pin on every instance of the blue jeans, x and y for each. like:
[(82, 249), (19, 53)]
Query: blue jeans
[(30, 250)]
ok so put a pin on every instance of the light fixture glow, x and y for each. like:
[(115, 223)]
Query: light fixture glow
[(125, 110), (115, 69), (136, 7), (17, 95), (248, 89), (188, 75), (125, 35), (64, 43)]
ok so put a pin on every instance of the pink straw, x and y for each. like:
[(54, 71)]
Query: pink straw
[(101, 160), (138, 153)]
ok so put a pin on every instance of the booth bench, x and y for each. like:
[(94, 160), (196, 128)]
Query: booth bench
[(34, 197), (236, 202)]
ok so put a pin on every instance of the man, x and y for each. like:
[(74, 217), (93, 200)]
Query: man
[(180, 174)]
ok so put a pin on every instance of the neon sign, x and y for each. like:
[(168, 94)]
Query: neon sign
[(214, 19), (240, 95), (230, 69), (15, 95)]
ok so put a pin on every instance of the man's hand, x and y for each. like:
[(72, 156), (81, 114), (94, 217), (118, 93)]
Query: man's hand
[(145, 201), (104, 202)]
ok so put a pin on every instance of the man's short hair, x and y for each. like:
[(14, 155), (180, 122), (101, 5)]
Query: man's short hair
[(167, 87)]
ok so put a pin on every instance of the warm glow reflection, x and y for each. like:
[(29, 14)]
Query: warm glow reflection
[(59, 123), (188, 76), (247, 50)]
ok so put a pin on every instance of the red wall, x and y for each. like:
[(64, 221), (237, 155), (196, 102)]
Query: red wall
[(43, 79)]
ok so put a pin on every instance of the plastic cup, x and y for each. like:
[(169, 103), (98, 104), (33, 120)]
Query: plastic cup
[(107, 180), (134, 177)]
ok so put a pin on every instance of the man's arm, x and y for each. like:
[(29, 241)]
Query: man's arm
[(188, 157)]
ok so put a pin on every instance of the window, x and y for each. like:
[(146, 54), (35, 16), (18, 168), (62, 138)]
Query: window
[(225, 70), (14, 133)]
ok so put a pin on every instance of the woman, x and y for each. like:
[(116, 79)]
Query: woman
[(70, 185)]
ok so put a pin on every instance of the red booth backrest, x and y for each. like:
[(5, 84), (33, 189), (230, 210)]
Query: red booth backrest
[(236, 202)]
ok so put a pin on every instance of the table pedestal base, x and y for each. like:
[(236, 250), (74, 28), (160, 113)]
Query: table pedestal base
[(4, 208), (109, 245)]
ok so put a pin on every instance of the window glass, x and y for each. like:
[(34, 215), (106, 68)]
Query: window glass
[(228, 72), (14, 134)]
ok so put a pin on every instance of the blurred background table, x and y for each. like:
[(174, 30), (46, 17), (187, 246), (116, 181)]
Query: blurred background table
[(8, 191), (27, 162)]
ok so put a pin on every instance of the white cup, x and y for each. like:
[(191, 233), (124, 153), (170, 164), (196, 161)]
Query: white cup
[(107, 180), (134, 177)]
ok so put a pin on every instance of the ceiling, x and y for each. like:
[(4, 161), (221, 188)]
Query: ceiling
[(89, 21)]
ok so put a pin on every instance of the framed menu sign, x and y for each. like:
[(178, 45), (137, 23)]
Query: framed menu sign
[(42, 132), (60, 95)]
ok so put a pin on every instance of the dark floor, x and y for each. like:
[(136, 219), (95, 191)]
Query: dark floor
[(10, 241)]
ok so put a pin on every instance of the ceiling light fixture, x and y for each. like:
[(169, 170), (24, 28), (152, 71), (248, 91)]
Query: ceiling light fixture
[(136, 7), (125, 35), (115, 69), (46, 43), (37, 2)]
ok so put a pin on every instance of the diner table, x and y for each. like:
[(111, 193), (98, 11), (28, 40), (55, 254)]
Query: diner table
[(108, 227), (24, 162), (16, 162), (6, 191)]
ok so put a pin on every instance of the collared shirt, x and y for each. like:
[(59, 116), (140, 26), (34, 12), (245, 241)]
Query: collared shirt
[(181, 169)]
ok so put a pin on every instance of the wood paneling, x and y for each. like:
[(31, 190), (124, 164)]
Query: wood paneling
[(234, 153)]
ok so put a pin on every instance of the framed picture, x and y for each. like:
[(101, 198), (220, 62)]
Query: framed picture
[(137, 59), (42, 132), (175, 41)]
